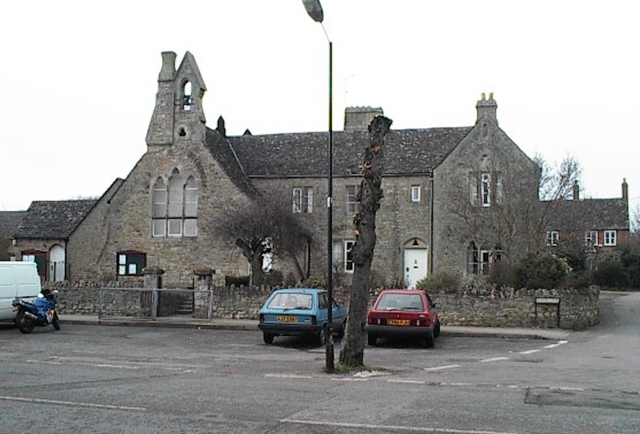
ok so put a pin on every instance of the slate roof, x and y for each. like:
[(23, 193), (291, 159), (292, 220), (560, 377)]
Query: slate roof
[(53, 219), (224, 154), (407, 152), (9, 222), (589, 214)]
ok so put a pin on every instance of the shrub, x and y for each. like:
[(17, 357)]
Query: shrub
[(236, 280), (274, 278), (503, 274), (440, 281), (541, 270), (610, 272)]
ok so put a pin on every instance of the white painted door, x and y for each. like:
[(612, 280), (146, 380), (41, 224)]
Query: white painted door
[(56, 264), (415, 266)]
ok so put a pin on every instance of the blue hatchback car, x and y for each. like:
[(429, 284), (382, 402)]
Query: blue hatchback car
[(300, 312)]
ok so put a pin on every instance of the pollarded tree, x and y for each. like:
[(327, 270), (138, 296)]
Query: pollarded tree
[(369, 196), (266, 225)]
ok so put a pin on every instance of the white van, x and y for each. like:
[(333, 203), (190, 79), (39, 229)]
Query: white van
[(17, 279)]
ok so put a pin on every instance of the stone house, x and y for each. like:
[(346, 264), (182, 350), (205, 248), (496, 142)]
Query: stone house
[(596, 225), (455, 199), (44, 232), (9, 222)]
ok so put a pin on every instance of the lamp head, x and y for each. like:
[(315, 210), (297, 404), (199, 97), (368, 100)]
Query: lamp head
[(314, 9)]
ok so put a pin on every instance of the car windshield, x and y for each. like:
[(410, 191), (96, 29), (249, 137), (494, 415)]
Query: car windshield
[(291, 301), (400, 302)]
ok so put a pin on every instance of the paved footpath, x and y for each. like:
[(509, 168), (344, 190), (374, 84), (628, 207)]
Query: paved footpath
[(249, 324)]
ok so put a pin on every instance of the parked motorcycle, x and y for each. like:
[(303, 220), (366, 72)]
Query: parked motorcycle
[(39, 313)]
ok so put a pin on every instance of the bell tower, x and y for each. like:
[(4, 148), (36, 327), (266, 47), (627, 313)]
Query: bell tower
[(178, 115)]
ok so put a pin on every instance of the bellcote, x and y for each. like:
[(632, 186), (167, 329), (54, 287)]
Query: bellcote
[(178, 113)]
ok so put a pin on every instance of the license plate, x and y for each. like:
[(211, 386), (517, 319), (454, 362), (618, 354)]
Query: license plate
[(287, 318), (398, 322)]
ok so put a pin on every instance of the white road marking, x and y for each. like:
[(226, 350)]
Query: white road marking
[(407, 381), (529, 352), (44, 362), (115, 366), (387, 427), (306, 377), (556, 345), (70, 403), (439, 368), (494, 359)]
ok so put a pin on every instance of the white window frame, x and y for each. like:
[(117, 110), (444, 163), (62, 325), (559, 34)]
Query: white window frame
[(351, 201), (349, 265), (552, 238), (473, 189), (485, 189), (591, 236), (297, 200), (416, 193), (610, 238), (302, 200)]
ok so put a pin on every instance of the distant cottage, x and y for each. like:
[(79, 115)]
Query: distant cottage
[(455, 199)]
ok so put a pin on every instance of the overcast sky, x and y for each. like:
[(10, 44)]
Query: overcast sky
[(79, 78)]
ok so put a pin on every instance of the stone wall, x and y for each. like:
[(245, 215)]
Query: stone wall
[(576, 308)]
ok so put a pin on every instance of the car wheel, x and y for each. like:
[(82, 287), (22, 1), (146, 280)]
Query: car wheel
[(371, 339), (429, 340), (436, 331), (268, 338), (321, 336)]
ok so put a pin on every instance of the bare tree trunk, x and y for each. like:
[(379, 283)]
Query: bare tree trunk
[(253, 251), (369, 195)]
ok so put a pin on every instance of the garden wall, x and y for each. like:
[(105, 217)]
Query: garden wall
[(567, 309)]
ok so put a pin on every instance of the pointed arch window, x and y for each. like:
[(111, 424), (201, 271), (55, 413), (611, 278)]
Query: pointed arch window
[(187, 99), (159, 211), (175, 207)]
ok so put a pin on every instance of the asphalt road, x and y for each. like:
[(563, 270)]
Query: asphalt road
[(98, 379)]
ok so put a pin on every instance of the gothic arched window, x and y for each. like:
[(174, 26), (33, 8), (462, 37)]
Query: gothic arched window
[(175, 207)]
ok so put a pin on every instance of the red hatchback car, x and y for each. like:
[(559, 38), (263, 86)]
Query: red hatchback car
[(403, 313)]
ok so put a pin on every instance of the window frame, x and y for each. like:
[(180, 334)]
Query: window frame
[(174, 207), (591, 236), (610, 238), (552, 238), (349, 265), (351, 201), (302, 200), (416, 193)]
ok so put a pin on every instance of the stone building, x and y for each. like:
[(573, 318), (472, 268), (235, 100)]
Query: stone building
[(455, 199)]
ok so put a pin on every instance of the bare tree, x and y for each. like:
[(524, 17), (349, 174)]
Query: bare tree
[(266, 225), (369, 196)]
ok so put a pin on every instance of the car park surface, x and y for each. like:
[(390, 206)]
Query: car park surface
[(300, 312), (404, 313)]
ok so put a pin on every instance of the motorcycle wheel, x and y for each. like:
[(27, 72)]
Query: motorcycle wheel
[(24, 324), (55, 322)]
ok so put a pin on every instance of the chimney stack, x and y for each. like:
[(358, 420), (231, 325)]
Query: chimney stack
[(625, 189), (359, 118), (487, 107), (576, 190)]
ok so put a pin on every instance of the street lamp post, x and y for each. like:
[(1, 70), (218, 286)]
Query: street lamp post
[(314, 9)]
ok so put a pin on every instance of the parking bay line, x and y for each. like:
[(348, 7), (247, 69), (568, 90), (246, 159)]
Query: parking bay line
[(71, 404), (440, 368)]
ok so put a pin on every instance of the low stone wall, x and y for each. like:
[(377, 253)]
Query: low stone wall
[(575, 308), (558, 308)]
